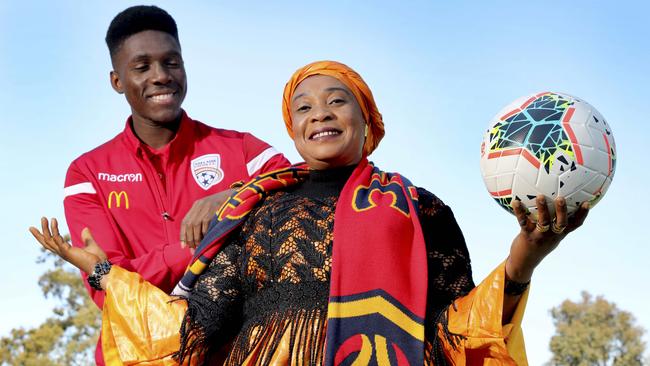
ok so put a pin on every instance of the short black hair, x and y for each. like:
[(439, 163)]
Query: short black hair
[(137, 19)]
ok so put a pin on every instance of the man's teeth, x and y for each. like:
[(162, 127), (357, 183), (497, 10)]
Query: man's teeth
[(325, 133), (162, 97)]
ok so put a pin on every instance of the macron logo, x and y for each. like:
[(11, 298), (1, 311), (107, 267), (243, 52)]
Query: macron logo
[(132, 177)]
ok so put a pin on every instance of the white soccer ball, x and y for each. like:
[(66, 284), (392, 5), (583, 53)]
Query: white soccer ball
[(551, 144)]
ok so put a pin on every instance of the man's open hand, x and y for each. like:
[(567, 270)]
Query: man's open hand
[(196, 222)]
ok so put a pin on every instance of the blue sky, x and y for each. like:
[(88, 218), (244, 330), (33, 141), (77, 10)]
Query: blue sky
[(439, 72)]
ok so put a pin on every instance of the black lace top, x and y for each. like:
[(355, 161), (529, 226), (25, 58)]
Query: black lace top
[(265, 294)]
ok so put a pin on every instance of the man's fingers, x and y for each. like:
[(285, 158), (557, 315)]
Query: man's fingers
[(197, 235), (206, 212), (196, 227), (189, 236), (205, 225), (183, 242), (187, 233)]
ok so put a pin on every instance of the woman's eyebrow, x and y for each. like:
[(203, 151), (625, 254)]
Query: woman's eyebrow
[(298, 96), (330, 89), (337, 88)]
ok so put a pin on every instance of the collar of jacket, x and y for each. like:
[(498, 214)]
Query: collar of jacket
[(182, 139)]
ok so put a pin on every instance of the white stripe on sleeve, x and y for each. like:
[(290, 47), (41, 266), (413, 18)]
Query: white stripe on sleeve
[(85, 187), (258, 162)]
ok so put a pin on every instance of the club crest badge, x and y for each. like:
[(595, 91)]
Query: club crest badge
[(206, 170)]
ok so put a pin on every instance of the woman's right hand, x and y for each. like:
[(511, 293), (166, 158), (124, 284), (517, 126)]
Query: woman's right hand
[(83, 258)]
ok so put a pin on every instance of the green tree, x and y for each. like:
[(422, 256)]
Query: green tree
[(69, 336), (594, 331)]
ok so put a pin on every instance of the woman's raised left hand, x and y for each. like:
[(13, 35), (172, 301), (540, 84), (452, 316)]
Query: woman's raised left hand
[(537, 239)]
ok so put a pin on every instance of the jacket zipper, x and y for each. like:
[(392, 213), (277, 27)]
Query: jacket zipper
[(164, 214)]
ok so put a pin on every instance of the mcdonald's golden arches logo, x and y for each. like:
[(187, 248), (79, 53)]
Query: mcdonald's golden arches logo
[(118, 196)]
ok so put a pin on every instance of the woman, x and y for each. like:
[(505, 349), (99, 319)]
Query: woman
[(331, 262)]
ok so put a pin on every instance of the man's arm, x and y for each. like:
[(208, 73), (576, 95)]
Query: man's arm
[(83, 208), (260, 157)]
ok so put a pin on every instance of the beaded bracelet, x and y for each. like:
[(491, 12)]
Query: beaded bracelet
[(515, 288), (102, 268)]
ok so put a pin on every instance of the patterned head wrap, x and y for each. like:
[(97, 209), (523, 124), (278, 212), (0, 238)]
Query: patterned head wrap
[(357, 86)]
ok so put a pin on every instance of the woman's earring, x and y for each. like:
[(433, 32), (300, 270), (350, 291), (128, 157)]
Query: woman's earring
[(365, 134)]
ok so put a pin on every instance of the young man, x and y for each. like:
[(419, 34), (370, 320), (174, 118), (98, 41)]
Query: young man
[(149, 193)]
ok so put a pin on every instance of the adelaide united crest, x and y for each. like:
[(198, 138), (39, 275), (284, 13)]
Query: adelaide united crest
[(206, 170)]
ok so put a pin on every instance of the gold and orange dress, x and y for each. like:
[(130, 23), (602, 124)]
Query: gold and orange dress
[(263, 300)]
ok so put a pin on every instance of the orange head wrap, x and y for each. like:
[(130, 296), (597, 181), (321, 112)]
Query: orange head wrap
[(357, 86)]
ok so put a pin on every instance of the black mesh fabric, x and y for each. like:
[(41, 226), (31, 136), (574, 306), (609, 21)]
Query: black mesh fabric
[(272, 279)]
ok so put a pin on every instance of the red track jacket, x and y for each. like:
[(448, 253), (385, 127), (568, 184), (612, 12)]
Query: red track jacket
[(133, 198)]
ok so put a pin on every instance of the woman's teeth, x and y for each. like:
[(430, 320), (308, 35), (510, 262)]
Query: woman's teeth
[(325, 133)]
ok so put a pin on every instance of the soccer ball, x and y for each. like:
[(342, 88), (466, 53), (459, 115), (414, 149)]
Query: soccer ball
[(548, 143)]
